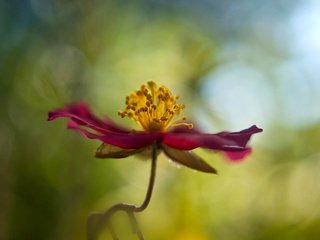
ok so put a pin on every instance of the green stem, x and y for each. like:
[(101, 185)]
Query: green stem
[(98, 219)]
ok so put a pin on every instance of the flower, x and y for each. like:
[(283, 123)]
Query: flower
[(155, 109)]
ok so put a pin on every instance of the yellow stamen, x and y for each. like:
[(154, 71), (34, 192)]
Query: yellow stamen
[(153, 108)]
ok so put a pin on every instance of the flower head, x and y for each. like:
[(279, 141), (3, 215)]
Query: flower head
[(155, 109)]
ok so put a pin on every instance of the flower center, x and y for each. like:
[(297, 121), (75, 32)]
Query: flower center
[(154, 108)]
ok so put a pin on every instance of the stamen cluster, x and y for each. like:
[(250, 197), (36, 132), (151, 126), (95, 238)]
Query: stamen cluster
[(153, 108)]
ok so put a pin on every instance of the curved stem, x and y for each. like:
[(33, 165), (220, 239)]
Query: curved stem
[(152, 178), (96, 220)]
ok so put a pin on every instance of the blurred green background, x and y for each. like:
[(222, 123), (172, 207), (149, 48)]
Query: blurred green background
[(234, 63)]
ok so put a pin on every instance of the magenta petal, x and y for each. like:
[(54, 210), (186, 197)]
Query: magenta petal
[(83, 121), (241, 137), (181, 141), (82, 115), (132, 140), (236, 156), (225, 141)]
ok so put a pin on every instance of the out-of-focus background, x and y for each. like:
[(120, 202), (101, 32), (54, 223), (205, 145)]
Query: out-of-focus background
[(234, 64)]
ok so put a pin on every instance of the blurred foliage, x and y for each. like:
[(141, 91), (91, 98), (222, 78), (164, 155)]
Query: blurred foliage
[(234, 64)]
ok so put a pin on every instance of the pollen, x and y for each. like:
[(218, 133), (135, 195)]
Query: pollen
[(154, 108)]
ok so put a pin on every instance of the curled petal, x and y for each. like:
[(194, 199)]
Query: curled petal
[(110, 151), (82, 115), (132, 140), (225, 141), (188, 159), (242, 137)]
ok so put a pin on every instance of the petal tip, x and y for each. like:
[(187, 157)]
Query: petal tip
[(214, 171), (256, 129), (50, 116)]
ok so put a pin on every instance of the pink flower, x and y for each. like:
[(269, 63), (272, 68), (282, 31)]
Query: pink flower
[(154, 109)]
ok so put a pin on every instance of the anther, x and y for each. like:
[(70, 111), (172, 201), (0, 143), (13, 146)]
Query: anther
[(146, 104), (163, 119), (190, 125)]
